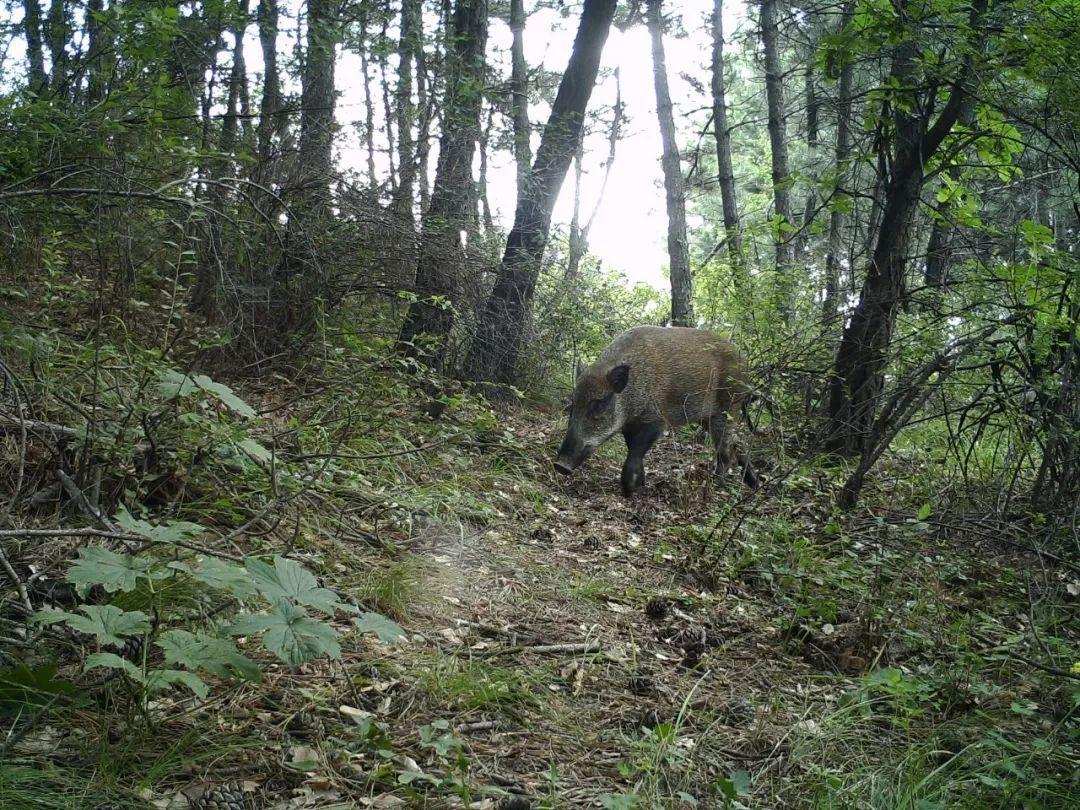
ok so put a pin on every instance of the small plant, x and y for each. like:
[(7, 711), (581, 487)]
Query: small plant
[(271, 600)]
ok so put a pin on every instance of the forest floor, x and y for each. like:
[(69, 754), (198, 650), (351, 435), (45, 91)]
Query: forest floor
[(695, 646)]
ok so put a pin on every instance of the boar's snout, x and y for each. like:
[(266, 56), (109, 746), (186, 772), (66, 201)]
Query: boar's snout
[(572, 454)]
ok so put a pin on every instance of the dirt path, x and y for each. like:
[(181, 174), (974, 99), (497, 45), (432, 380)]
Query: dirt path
[(581, 653)]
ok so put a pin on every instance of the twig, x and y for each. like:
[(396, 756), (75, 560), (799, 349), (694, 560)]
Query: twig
[(17, 582), (481, 725), (37, 426), (117, 535), (574, 648), (84, 505)]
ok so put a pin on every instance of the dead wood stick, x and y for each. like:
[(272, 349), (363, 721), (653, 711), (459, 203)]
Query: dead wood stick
[(20, 588), (36, 426), (480, 725), (117, 535), (574, 648), (83, 503)]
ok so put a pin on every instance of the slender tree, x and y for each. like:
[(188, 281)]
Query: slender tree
[(430, 318), (722, 135), (842, 154), (497, 346), (774, 96), (408, 41), (317, 107), (519, 99), (682, 309), (35, 54), (270, 102), (858, 373)]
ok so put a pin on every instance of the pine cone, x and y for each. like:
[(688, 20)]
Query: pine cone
[(132, 649), (226, 796)]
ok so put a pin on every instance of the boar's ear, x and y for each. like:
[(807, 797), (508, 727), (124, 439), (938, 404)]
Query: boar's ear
[(618, 377)]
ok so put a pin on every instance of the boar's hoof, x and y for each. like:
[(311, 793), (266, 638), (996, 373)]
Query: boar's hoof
[(563, 468), (632, 479)]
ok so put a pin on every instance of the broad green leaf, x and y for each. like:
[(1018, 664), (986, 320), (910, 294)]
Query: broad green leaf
[(163, 533), (287, 579), (220, 574), (22, 686), (172, 384), (256, 450), (925, 511), (158, 680), (217, 656), (386, 629), (290, 633), (113, 661), (114, 572), (227, 396), (107, 623)]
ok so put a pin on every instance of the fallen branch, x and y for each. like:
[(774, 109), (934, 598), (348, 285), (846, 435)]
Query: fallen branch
[(481, 725), (80, 499), (127, 537), (572, 648), (35, 426), (20, 588)]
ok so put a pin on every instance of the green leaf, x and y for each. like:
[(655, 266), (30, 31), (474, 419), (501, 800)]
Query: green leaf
[(114, 572), (172, 384), (386, 629), (22, 686), (291, 634), (925, 511), (108, 660), (256, 450), (287, 579), (228, 398), (158, 680), (222, 575), (217, 656), (164, 533), (107, 623)]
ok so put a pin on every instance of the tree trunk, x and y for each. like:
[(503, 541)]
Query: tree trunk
[(270, 103), (317, 108), (98, 52), (812, 113), (722, 134), (402, 204), (519, 100), (428, 322), (682, 305), (425, 98), (774, 94), (861, 359), (482, 180), (369, 106), (497, 347), (388, 108), (57, 33), (579, 238), (841, 157), (35, 54)]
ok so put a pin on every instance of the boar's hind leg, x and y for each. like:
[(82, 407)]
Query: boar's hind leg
[(639, 439), (718, 429)]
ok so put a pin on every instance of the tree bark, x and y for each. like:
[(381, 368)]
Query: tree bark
[(842, 155), (774, 94), (682, 304), (519, 99), (496, 349), (317, 108), (430, 318), (35, 54), (858, 374), (402, 204), (98, 52), (722, 134), (270, 103), (369, 106), (57, 33), (813, 105)]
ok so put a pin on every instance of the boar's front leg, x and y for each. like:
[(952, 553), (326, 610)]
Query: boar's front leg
[(640, 437)]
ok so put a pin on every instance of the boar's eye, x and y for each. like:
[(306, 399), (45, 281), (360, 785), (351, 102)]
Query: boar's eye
[(597, 406)]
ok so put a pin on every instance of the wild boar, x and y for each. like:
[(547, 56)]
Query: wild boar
[(649, 380)]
